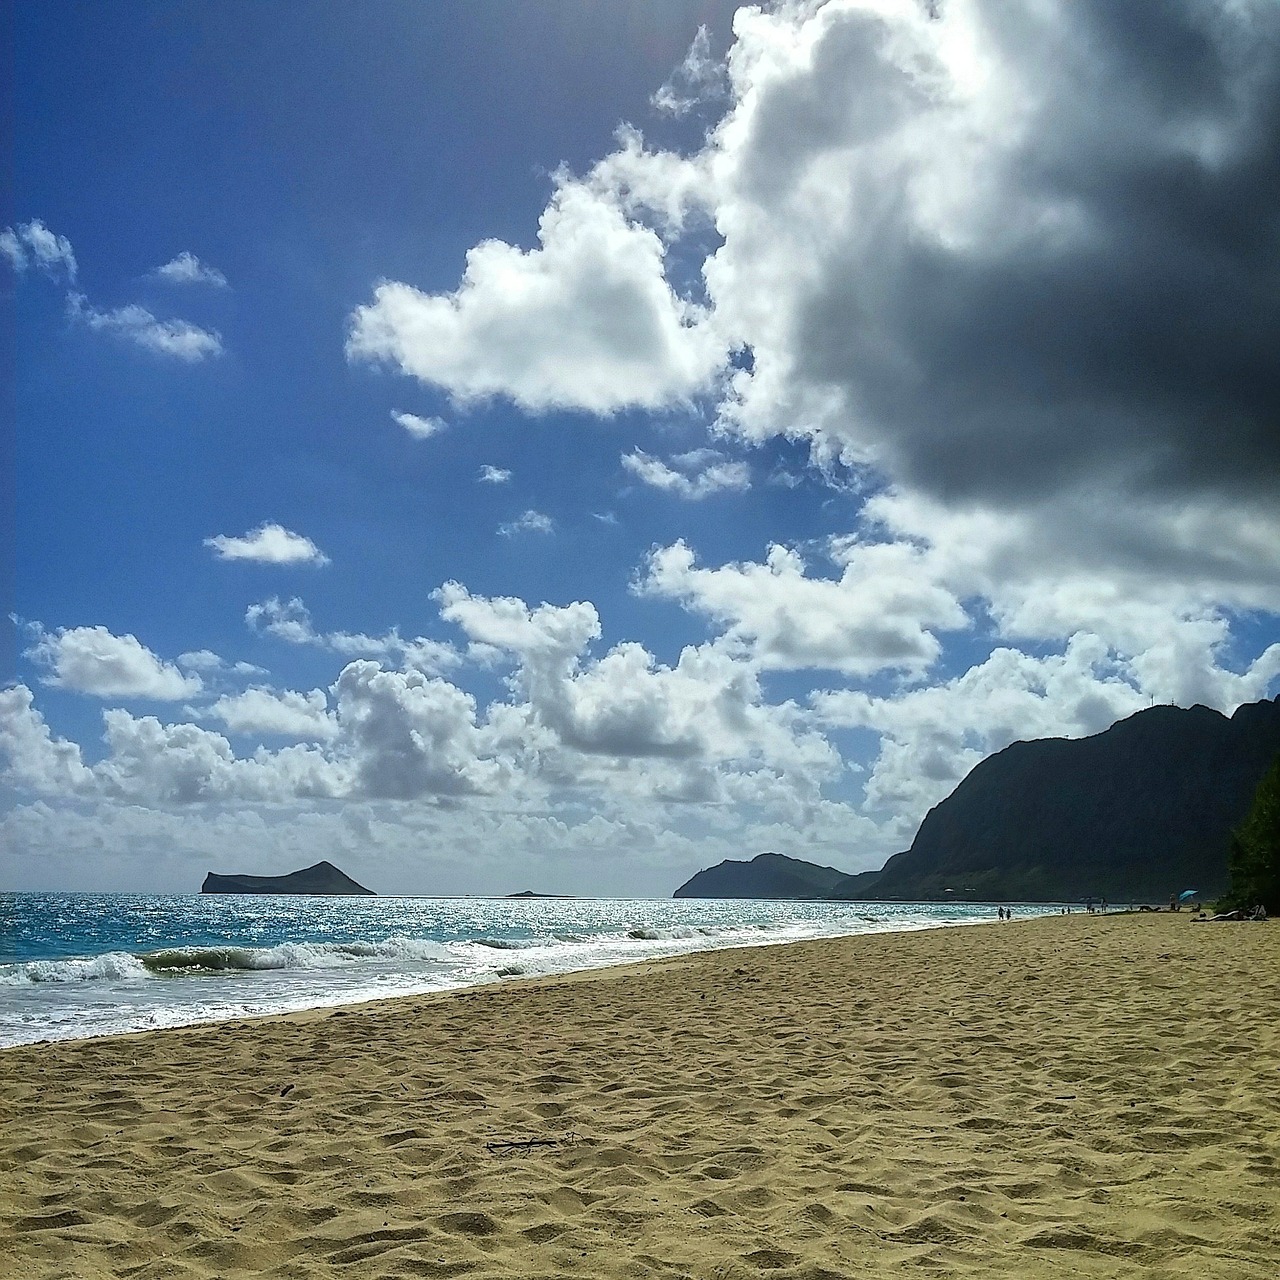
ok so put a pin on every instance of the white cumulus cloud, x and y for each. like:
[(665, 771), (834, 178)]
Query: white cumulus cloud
[(33, 757), (33, 244), (881, 614), (527, 522), (979, 251), (269, 543), (178, 339), (494, 475), (411, 734), (186, 268), (398, 736), (707, 711), (933, 736), (92, 660), (587, 320), (693, 475), (258, 710), (418, 427), (290, 621)]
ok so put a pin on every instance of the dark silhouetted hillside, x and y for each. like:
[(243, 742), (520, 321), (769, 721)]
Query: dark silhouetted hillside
[(324, 878), (768, 875), (1139, 811)]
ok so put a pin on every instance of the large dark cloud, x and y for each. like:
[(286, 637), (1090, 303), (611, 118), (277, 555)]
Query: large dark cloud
[(1133, 340)]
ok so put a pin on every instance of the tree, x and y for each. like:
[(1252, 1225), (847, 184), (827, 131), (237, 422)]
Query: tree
[(1255, 849)]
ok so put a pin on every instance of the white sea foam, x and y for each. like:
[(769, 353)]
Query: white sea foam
[(113, 966), (293, 955), (283, 955)]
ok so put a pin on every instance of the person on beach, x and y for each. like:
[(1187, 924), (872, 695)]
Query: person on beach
[(1258, 913)]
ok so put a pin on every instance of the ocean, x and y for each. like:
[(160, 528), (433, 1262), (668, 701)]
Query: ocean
[(74, 965)]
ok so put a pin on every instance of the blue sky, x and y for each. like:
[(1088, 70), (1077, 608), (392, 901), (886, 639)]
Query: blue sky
[(499, 446)]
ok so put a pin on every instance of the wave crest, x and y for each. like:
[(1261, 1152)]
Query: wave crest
[(174, 961), (112, 965), (294, 955)]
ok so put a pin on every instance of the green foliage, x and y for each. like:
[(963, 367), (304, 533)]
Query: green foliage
[(1255, 849)]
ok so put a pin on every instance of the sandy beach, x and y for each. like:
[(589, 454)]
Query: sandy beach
[(1074, 1096)]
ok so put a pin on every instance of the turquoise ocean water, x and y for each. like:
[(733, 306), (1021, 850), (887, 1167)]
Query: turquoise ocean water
[(75, 965)]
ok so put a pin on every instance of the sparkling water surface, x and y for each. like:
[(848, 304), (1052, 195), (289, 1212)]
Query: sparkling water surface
[(75, 964)]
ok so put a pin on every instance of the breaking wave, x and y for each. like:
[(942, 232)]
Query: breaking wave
[(174, 961), (148, 961), (555, 951), (113, 965)]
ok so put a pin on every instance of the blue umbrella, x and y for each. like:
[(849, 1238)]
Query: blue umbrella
[(1188, 893)]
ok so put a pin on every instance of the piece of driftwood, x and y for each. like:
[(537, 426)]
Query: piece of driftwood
[(527, 1144)]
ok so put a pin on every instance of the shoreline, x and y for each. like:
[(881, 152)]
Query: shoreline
[(129, 988), (1082, 1095)]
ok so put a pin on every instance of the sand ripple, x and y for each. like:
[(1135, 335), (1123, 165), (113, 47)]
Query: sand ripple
[(1064, 1097)]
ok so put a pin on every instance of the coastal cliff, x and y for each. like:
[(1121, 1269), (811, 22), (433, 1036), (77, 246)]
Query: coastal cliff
[(1137, 812), (322, 879)]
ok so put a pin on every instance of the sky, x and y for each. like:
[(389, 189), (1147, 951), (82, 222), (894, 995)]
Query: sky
[(558, 447)]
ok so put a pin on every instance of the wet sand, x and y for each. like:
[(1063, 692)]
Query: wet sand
[(1072, 1096)]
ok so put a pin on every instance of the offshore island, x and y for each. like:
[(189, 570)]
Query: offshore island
[(322, 879)]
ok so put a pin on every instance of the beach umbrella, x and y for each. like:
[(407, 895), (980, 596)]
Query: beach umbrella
[(1188, 893)]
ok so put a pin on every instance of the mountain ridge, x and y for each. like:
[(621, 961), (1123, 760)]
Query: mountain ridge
[(1143, 809)]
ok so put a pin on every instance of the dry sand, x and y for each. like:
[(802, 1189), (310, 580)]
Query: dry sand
[(1064, 1097)]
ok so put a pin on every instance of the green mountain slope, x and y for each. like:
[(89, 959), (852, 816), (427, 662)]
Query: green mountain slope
[(1139, 811)]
